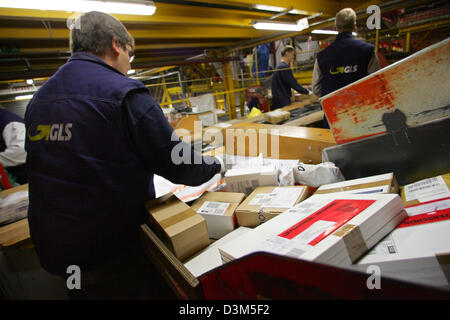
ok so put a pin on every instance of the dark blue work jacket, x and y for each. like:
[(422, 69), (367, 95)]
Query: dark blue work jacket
[(91, 159), (343, 62)]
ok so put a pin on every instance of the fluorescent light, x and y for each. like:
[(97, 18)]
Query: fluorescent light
[(131, 71), (276, 26), (25, 97), (269, 8), (30, 81), (302, 12), (299, 26), (82, 6), (303, 23), (318, 31)]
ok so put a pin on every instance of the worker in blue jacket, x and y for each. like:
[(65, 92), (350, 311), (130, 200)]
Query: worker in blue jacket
[(344, 61), (283, 80), (95, 139)]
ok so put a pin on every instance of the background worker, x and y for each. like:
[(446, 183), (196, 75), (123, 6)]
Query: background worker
[(12, 145), (283, 80), (345, 60), (89, 182)]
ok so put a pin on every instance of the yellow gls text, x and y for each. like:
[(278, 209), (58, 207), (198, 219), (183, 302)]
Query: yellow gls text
[(346, 69), (52, 132)]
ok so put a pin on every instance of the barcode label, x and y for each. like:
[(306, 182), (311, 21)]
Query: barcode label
[(216, 208), (427, 190), (295, 253), (213, 205), (306, 207)]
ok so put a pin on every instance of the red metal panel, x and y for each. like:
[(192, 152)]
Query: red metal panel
[(268, 276), (418, 86)]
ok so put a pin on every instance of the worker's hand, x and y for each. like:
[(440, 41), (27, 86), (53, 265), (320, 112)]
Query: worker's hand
[(223, 169)]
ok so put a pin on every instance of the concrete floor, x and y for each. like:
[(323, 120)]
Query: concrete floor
[(22, 277)]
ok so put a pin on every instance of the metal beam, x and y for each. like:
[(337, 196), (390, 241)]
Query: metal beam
[(159, 32), (13, 75), (361, 14)]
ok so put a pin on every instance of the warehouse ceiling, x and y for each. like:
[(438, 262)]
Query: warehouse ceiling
[(34, 43)]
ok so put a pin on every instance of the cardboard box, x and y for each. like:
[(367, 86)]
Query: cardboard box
[(278, 141), (418, 250), (181, 229), (218, 209), (245, 180), (215, 134), (332, 229), (426, 190), (13, 204), (203, 103), (265, 203), (277, 116), (209, 258), (14, 232), (383, 183)]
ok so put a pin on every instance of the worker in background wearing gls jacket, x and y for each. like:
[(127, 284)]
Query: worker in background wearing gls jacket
[(12, 145), (95, 140), (283, 80), (345, 60)]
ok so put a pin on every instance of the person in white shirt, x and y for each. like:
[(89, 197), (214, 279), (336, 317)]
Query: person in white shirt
[(12, 145)]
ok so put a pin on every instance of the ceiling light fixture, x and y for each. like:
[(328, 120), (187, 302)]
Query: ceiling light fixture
[(133, 8), (30, 81), (270, 25), (269, 8), (25, 97), (319, 31)]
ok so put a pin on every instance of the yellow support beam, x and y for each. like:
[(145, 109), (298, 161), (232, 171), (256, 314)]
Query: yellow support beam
[(408, 42), (328, 7), (229, 87), (160, 32), (153, 46)]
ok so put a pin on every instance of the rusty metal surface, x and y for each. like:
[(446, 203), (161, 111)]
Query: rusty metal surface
[(418, 86)]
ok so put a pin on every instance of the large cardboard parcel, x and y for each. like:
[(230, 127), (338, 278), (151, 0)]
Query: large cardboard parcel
[(180, 228), (218, 209), (333, 229), (265, 203), (426, 190), (245, 180), (418, 250), (382, 183)]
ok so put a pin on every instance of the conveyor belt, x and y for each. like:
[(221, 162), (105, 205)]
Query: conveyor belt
[(300, 112)]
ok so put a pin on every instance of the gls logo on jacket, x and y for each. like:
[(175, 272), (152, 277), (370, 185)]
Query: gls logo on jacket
[(345, 69), (53, 132)]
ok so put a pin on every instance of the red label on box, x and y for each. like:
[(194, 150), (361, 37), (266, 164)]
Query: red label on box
[(434, 211), (338, 211)]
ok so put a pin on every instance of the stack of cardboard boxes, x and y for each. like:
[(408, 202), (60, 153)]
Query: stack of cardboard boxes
[(419, 248), (352, 224)]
